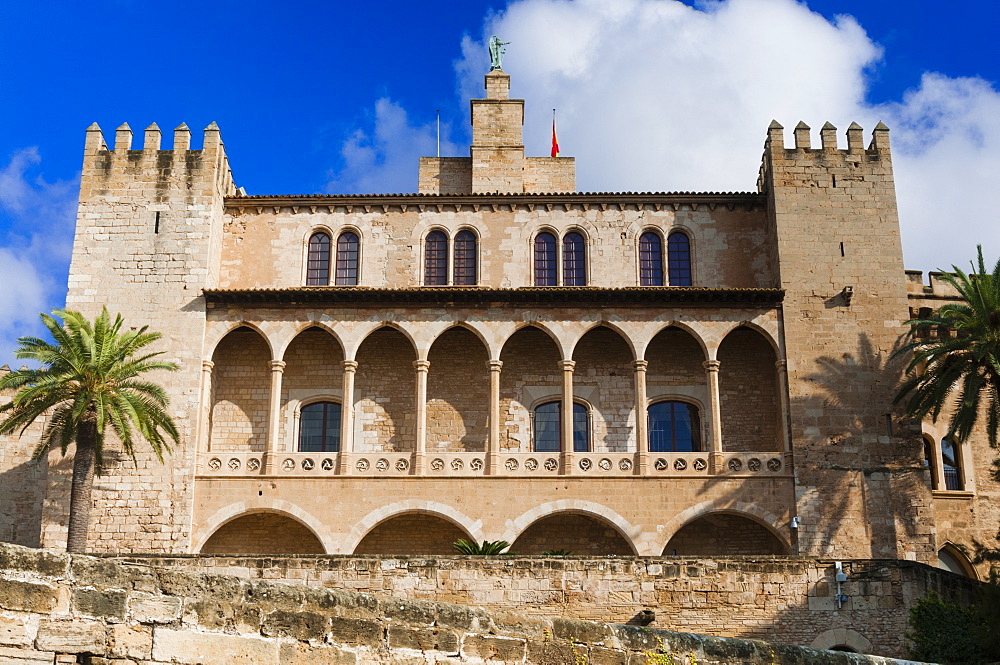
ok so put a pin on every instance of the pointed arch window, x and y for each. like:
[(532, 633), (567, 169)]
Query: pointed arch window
[(465, 259), (547, 429), (545, 259), (319, 428), (674, 427), (348, 252), (318, 264), (436, 259), (650, 259), (574, 260), (679, 259)]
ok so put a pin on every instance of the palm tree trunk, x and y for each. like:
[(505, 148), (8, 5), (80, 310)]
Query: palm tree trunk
[(80, 499)]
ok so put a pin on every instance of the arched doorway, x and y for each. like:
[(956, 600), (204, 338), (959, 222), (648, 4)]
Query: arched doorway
[(724, 534), (263, 534), (412, 533), (575, 533)]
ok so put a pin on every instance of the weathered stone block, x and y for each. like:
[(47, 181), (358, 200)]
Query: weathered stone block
[(300, 654), (72, 637), (300, 625), (95, 603), (16, 630), (10, 656), (427, 639), (27, 596), (130, 641), (188, 646), (357, 631), (493, 648), (154, 609)]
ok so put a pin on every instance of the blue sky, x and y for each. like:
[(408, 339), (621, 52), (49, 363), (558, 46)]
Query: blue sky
[(341, 97)]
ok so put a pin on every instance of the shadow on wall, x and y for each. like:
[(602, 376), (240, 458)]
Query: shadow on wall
[(861, 483), (22, 492)]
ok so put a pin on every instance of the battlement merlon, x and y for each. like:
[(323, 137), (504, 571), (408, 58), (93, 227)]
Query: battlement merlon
[(152, 162)]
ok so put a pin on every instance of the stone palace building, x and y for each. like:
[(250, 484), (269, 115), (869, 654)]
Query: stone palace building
[(499, 356)]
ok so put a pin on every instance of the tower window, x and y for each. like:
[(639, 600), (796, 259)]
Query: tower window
[(650, 259), (679, 259), (465, 259), (545, 260), (436, 259), (348, 250), (318, 265)]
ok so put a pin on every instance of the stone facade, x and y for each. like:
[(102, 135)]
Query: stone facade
[(60, 609), (719, 361)]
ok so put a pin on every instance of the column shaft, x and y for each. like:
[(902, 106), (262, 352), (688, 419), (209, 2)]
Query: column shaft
[(566, 419), (347, 415), (493, 445), (786, 436), (714, 404), (274, 414), (205, 412), (641, 424), (421, 398)]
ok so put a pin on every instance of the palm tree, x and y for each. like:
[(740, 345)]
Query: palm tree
[(959, 366), (88, 380)]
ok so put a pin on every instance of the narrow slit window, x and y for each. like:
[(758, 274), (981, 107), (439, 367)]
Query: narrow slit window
[(348, 254), (318, 267), (545, 259), (650, 259), (679, 259), (574, 260), (436, 259), (952, 465), (465, 259)]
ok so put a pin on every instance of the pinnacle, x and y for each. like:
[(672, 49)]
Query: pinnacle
[(828, 125), (775, 125), (880, 127), (212, 127), (124, 127), (854, 125), (94, 127), (801, 125), (154, 127), (182, 127)]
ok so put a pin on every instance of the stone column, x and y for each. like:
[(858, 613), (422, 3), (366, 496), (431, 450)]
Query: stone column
[(493, 446), (274, 415), (205, 413), (421, 444), (786, 436), (714, 405), (641, 424), (566, 416), (347, 416)]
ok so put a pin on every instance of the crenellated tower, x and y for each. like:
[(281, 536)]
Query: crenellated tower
[(861, 489), (148, 237)]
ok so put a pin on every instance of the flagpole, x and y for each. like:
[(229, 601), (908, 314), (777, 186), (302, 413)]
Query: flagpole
[(439, 131)]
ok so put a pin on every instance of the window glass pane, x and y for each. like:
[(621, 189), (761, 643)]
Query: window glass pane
[(574, 260), (436, 259), (348, 248), (949, 460), (547, 427), (674, 427), (679, 259), (581, 429), (318, 265), (650, 259), (465, 259), (319, 427), (545, 259)]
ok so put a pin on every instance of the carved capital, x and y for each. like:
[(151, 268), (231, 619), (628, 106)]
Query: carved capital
[(640, 365), (277, 365), (207, 365), (350, 365), (494, 365), (567, 365), (421, 365), (781, 365), (711, 365)]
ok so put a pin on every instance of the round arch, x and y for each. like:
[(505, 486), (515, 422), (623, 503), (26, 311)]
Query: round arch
[(626, 530), (689, 329), (541, 326), (951, 557), (571, 347), (394, 325), (756, 327), (221, 330), (471, 327), (234, 511), (837, 638), (474, 528), (281, 345), (694, 534), (765, 518)]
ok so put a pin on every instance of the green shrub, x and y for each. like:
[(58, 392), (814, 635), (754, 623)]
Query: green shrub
[(464, 546), (944, 632)]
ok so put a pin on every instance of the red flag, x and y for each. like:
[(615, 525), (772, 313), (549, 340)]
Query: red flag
[(555, 141)]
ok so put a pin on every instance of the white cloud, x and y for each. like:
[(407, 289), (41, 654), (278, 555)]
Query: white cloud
[(657, 95), (37, 219), (385, 160)]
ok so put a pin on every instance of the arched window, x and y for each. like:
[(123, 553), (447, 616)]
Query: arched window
[(952, 559), (650, 259), (674, 427), (929, 461), (436, 259), (465, 259), (545, 259), (679, 259), (348, 250), (318, 266), (951, 461), (574, 260), (547, 427), (319, 428)]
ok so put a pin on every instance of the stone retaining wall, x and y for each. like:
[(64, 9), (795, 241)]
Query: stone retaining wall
[(783, 599), (56, 608)]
